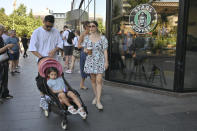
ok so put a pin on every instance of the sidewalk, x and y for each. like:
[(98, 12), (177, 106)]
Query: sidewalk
[(124, 109)]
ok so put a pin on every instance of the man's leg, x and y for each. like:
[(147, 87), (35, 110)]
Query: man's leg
[(43, 102), (4, 85)]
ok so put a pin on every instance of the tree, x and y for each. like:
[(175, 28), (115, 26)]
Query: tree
[(20, 21), (101, 28), (2, 10), (21, 11)]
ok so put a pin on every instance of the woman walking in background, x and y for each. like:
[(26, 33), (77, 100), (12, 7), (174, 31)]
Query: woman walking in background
[(96, 62), (83, 54)]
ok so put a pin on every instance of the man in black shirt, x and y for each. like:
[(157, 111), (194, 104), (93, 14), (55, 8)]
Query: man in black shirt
[(4, 92)]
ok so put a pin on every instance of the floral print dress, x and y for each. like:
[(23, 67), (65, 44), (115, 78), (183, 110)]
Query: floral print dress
[(95, 63)]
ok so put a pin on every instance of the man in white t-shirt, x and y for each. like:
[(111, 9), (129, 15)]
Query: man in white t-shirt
[(45, 41), (68, 47)]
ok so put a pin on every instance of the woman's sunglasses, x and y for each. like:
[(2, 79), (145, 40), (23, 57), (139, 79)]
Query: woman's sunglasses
[(93, 26)]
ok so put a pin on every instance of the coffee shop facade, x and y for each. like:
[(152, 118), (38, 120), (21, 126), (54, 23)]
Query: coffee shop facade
[(152, 43)]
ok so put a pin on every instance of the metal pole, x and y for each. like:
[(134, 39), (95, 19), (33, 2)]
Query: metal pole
[(94, 9), (88, 8)]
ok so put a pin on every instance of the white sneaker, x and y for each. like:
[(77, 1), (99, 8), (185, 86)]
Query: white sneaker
[(68, 71), (99, 106), (82, 113)]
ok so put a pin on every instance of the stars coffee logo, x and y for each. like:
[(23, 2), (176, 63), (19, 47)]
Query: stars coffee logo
[(143, 18)]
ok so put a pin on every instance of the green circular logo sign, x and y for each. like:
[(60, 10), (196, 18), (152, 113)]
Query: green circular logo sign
[(143, 18)]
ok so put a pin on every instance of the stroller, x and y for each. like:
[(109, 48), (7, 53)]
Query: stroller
[(54, 104)]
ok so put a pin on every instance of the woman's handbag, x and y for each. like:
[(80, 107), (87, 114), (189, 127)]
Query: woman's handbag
[(4, 57)]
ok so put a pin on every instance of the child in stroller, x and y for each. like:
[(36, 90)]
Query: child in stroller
[(55, 104), (56, 84)]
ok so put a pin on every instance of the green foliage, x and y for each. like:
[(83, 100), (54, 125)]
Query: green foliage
[(19, 20), (2, 10), (101, 28), (134, 3)]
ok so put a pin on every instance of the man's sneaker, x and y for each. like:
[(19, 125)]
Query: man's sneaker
[(48, 99), (43, 104), (8, 96), (68, 71)]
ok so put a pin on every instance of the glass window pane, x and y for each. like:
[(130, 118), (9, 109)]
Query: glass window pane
[(191, 53), (144, 42)]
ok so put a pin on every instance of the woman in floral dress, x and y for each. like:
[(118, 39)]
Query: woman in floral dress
[(97, 60)]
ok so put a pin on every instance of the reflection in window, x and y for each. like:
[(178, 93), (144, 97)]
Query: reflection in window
[(191, 53), (146, 59)]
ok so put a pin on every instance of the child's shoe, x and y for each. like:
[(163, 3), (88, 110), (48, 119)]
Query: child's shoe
[(72, 110), (82, 113)]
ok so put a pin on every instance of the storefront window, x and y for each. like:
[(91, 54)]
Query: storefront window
[(143, 44), (191, 53)]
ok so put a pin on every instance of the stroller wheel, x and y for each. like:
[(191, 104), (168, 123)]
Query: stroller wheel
[(64, 124), (46, 113)]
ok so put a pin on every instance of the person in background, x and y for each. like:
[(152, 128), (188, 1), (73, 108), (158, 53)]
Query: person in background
[(83, 54), (13, 52), (4, 92), (68, 47), (61, 51), (24, 41), (5, 35), (76, 51)]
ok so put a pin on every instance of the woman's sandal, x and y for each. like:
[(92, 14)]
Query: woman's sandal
[(82, 113), (72, 110), (99, 106), (94, 101), (83, 88)]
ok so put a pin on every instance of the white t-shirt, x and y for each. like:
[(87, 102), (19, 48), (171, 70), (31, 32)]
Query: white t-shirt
[(75, 41), (5, 37), (65, 35), (44, 41)]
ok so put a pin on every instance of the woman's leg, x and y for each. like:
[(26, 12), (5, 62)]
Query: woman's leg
[(99, 87), (72, 63), (93, 81), (11, 65), (74, 98)]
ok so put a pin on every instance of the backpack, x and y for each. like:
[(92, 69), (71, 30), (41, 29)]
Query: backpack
[(71, 36)]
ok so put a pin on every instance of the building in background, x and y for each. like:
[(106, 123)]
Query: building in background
[(60, 18), (90, 10)]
